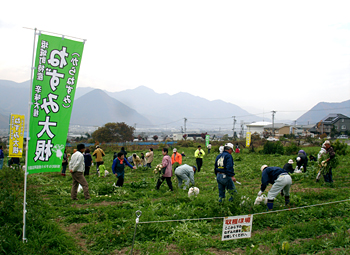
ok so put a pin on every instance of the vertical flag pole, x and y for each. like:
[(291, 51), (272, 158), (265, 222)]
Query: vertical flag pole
[(28, 138)]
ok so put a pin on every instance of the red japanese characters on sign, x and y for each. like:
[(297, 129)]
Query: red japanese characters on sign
[(237, 227)]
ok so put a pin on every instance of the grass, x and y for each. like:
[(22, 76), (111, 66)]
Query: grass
[(106, 223)]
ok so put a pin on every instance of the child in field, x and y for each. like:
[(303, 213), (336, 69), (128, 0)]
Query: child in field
[(102, 169), (118, 169)]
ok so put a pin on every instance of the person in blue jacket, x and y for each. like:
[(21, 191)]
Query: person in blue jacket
[(280, 180), (225, 174), (1, 157), (118, 169)]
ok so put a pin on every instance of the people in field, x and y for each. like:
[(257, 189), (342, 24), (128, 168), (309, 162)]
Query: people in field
[(77, 168), (149, 157), (225, 174), (199, 154), (87, 161), (328, 177), (209, 148), (99, 154), (280, 180), (64, 162), (2, 156), (118, 169), (176, 158), (166, 163), (136, 160), (289, 166), (185, 173), (302, 161)]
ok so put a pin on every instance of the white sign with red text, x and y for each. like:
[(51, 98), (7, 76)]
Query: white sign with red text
[(237, 227)]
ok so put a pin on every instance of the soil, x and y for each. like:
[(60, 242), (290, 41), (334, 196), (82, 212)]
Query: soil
[(73, 230), (103, 203)]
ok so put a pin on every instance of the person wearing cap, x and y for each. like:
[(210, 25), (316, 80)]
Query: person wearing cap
[(99, 154), (185, 173), (280, 180), (225, 174), (199, 154), (302, 160), (176, 158), (77, 168), (329, 150), (289, 166)]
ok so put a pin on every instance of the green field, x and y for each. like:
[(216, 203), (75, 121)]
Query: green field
[(105, 224)]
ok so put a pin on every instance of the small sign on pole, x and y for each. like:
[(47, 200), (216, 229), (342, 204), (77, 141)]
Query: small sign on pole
[(16, 136), (237, 227)]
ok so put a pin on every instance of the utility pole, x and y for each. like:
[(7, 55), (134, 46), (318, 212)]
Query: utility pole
[(135, 129), (185, 120), (233, 129), (242, 127), (273, 122)]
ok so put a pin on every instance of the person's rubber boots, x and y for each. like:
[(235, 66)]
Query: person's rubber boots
[(269, 204), (286, 200)]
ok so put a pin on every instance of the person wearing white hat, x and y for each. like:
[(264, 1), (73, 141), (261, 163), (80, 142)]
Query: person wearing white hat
[(225, 174), (280, 180), (176, 158), (289, 166), (302, 160)]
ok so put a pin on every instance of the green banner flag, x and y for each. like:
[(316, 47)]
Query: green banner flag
[(207, 140), (56, 72)]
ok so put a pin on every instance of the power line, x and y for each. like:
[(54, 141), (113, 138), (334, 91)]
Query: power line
[(227, 118), (268, 212)]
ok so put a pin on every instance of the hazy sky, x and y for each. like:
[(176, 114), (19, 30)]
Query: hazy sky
[(260, 55)]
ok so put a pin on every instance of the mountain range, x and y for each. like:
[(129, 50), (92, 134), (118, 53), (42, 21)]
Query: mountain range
[(146, 108), (322, 109), (96, 108)]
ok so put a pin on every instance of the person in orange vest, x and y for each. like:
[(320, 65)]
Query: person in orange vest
[(176, 158)]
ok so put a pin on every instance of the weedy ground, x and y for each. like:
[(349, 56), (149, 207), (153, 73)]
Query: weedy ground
[(105, 224)]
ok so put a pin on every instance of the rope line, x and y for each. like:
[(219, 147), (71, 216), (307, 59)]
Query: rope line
[(215, 218)]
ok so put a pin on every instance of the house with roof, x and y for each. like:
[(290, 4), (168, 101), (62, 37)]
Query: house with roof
[(257, 127), (340, 122), (304, 130), (278, 129)]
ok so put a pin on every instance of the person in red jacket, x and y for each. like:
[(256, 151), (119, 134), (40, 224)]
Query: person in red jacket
[(176, 158)]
